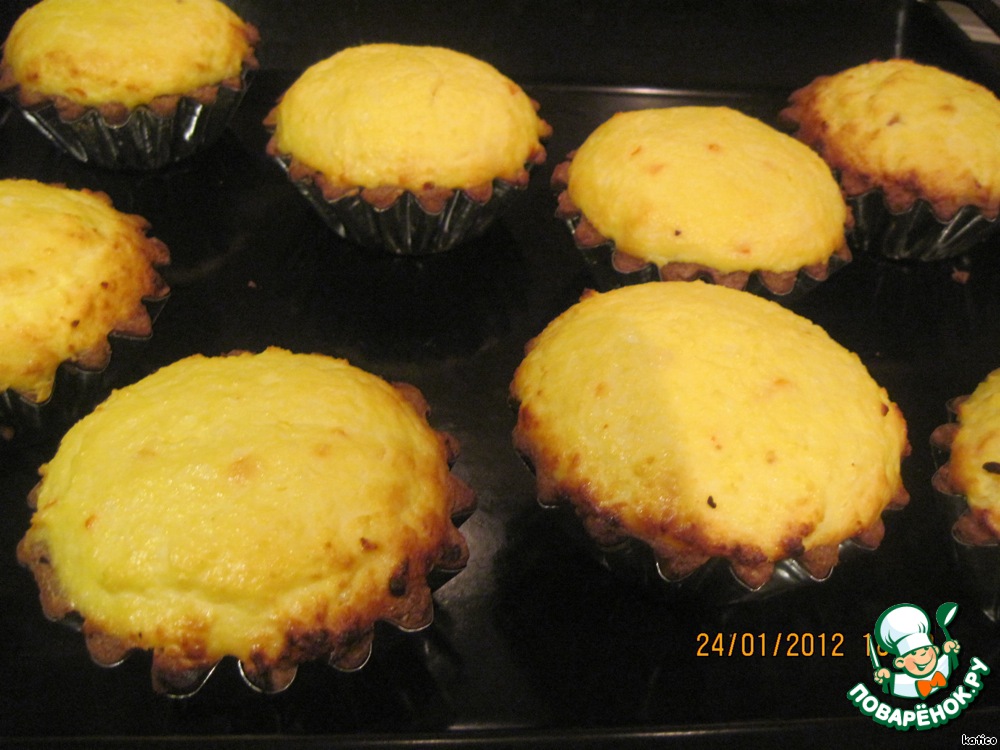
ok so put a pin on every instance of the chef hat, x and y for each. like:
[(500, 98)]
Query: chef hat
[(903, 628)]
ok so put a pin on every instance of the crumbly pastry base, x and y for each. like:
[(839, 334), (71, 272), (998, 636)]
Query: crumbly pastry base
[(179, 672), (615, 268), (113, 136), (404, 222)]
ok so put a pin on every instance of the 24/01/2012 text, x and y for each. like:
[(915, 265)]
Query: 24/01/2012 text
[(764, 644)]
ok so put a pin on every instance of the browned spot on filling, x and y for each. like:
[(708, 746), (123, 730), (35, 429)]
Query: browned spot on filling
[(243, 469), (711, 502), (993, 467), (146, 451)]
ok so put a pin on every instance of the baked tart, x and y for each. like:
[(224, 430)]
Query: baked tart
[(78, 276), (269, 508), (710, 425), (411, 149), (968, 479), (127, 85), (972, 469), (702, 193), (916, 150)]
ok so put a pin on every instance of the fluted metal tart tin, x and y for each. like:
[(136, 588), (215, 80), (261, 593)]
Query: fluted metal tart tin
[(146, 140), (75, 392), (713, 584), (916, 234), (350, 655), (979, 562), (405, 227), (535, 644), (607, 274)]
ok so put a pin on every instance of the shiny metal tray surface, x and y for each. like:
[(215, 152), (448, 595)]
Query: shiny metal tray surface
[(535, 643)]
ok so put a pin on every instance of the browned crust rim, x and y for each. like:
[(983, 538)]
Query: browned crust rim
[(974, 527), (778, 283), (136, 323), (901, 192), (117, 113), (687, 548), (432, 198), (180, 669)]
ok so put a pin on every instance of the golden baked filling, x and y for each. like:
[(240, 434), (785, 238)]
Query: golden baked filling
[(708, 422), (406, 117), (708, 186), (73, 270), (270, 507), (95, 52), (973, 466), (913, 130)]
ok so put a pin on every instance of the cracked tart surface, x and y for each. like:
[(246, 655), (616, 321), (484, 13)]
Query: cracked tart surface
[(270, 507), (74, 270), (708, 423), (973, 466), (704, 192), (386, 121)]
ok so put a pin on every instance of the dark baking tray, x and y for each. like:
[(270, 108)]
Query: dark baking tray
[(535, 644)]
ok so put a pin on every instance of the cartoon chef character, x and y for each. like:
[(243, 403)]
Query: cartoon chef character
[(904, 630)]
